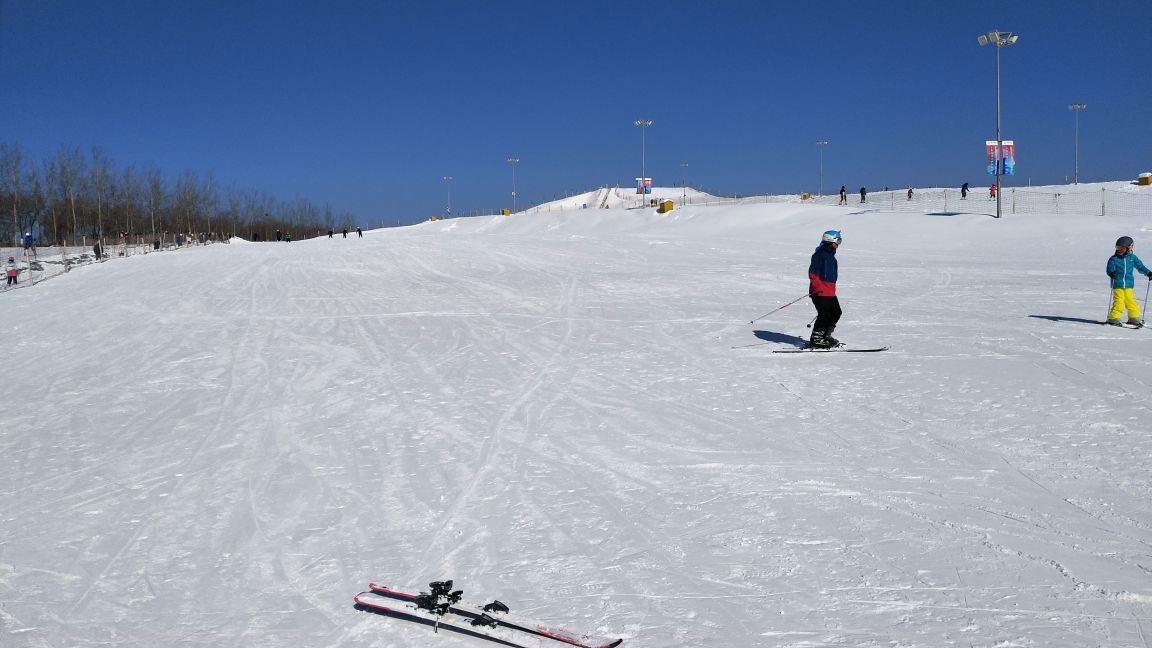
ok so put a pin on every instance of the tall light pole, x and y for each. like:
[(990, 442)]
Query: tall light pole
[(820, 144), (513, 161), (448, 182), (1076, 108), (643, 124), (683, 183), (999, 39)]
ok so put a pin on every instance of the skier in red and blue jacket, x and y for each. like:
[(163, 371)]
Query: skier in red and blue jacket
[(822, 274)]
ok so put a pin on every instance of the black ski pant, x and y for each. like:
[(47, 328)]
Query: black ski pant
[(827, 312)]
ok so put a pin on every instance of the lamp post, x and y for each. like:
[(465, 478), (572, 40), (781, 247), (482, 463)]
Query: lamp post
[(643, 124), (999, 39), (683, 183), (1076, 108), (448, 182), (820, 144), (513, 161)]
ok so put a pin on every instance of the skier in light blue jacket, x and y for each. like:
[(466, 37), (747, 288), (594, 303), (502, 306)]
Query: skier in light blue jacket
[(1120, 268)]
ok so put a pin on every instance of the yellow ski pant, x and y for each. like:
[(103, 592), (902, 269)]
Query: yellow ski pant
[(1122, 298)]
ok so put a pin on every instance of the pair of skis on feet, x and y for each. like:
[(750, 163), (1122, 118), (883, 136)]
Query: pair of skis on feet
[(840, 348), (442, 608)]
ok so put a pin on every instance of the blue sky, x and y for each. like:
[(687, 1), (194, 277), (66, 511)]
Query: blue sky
[(366, 106)]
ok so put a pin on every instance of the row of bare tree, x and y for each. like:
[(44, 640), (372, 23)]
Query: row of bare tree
[(73, 196)]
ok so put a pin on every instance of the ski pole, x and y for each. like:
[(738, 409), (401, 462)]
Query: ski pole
[(779, 309), (1142, 310), (809, 325)]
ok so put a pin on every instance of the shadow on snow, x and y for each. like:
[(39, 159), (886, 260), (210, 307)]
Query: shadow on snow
[(1057, 318), (772, 336)]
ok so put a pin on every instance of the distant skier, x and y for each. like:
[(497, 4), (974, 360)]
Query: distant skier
[(329, 233), (909, 193), (963, 191), (863, 194), (97, 250), (843, 195), (345, 232), (992, 191), (1120, 267), (822, 272), (11, 270), (359, 233)]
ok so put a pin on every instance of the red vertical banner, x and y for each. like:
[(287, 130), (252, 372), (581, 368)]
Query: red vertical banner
[(1009, 158)]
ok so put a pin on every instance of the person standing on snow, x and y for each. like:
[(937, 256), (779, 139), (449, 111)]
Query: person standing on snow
[(11, 270), (863, 194), (963, 191), (843, 195), (1120, 268), (822, 272)]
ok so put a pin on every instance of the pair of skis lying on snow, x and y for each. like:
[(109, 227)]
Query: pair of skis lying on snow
[(442, 609)]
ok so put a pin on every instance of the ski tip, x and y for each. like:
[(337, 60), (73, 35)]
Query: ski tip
[(356, 599)]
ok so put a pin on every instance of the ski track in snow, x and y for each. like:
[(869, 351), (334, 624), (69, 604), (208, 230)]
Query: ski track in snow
[(570, 412)]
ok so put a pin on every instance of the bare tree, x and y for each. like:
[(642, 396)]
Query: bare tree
[(101, 177), (233, 198), (155, 190), (51, 173), (70, 164), (11, 172), (131, 188), (184, 199), (34, 203), (209, 202)]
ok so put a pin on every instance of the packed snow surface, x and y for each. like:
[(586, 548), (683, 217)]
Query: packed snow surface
[(570, 411)]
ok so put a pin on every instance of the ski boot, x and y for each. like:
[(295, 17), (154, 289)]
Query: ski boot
[(1113, 321), (818, 340), (832, 342), (431, 603), (444, 589), (1136, 322)]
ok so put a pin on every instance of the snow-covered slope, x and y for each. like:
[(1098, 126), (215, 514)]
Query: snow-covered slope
[(569, 411)]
